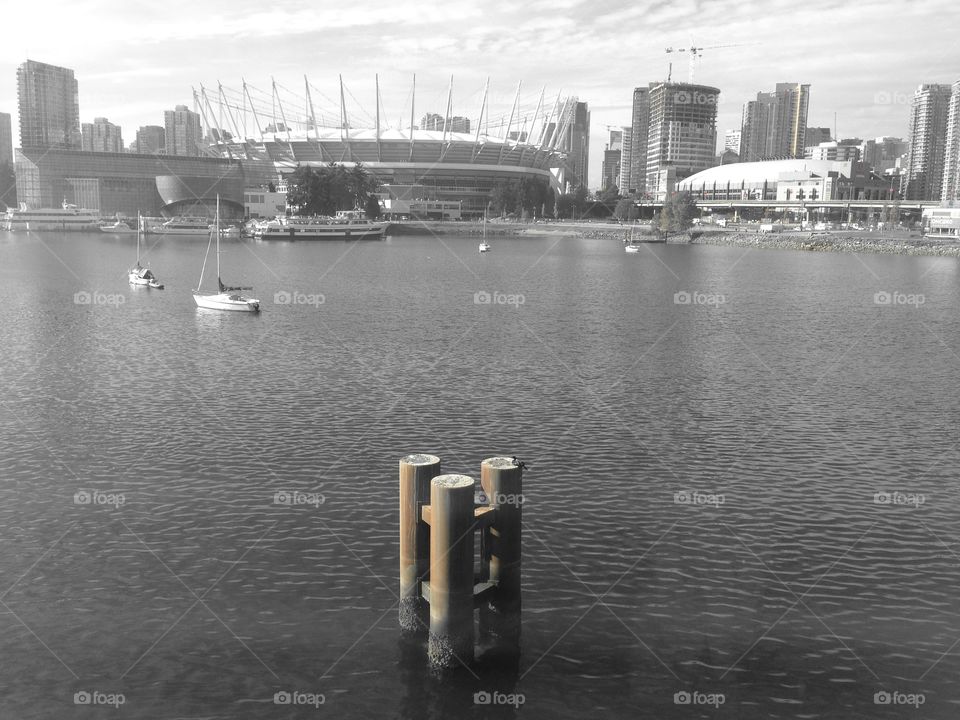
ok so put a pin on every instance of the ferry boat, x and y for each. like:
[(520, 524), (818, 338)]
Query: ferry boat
[(199, 226), (65, 218), (347, 225)]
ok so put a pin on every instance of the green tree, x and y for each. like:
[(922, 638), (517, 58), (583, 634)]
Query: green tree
[(624, 209), (610, 196), (373, 207), (325, 190), (678, 212), (580, 200), (565, 206)]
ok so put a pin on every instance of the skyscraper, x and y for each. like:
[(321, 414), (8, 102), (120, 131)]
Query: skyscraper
[(950, 191), (636, 167), (150, 140), (102, 136), (49, 106), (928, 132), (574, 140), (612, 156), (626, 152), (6, 139), (775, 124), (731, 140), (682, 136), (182, 133)]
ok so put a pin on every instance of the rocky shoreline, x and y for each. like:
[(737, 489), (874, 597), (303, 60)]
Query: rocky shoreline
[(893, 243)]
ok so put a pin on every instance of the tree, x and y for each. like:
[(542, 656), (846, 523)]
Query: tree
[(624, 209), (373, 207), (580, 200), (610, 196), (565, 206), (678, 212), (325, 190)]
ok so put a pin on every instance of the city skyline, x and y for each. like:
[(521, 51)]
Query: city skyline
[(595, 51)]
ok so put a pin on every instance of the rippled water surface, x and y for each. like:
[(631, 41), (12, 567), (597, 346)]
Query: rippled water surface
[(702, 519)]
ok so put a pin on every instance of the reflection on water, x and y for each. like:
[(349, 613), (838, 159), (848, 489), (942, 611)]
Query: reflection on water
[(754, 500)]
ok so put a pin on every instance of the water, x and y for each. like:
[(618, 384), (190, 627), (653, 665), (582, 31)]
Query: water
[(780, 412)]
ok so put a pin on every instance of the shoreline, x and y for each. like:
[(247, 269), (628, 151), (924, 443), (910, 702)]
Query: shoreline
[(892, 243)]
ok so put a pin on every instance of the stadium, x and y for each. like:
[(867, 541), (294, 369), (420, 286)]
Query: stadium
[(436, 157)]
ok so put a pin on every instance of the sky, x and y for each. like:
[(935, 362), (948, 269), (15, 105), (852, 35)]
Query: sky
[(134, 60)]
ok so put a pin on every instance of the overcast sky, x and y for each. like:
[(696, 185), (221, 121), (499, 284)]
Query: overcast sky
[(135, 59)]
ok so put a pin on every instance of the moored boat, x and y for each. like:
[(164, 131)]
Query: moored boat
[(348, 225), (118, 227), (65, 218), (227, 298), (198, 226)]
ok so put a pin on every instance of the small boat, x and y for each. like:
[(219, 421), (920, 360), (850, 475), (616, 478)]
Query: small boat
[(484, 245), (226, 298), (118, 227), (632, 248), (139, 275), (182, 226)]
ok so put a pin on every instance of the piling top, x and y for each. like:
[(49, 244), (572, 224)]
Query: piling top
[(419, 459), (499, 463), (453, 481)]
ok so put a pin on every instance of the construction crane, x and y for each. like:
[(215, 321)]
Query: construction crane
[(696, 52)]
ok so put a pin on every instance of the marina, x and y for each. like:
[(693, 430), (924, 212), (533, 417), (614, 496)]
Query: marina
[(756, 472)]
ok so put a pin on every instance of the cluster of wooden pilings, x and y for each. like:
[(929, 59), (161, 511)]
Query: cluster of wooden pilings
[(440, 587)]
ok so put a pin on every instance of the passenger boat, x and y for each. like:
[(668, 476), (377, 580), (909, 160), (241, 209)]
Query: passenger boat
[(118, 227), (199, 226), (347, 225), (65, 218)]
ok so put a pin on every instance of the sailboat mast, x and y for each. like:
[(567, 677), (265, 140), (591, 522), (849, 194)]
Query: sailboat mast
[(216, 229)]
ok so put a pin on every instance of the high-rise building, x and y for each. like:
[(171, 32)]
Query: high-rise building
[(636, 169), (923, 176), (883, 153), (6, 139), (626, 152), (612, 156), (731, 140), (816, 135), (836, 150), (774, 125), (182, 133), (950, 190), (682, 136), (150, 140), (433, 121), (49, 105), (574, 140), (793, 103), (102, 136)]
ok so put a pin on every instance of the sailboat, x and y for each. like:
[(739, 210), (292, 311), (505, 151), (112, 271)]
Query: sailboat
[(226, 298), (139, 275), (484, 245), (632, 246)]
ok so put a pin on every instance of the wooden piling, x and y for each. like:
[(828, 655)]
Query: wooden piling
[(502, 482), (416, 472), (450, 588)]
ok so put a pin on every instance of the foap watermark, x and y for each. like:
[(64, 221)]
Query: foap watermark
[(882, 497), (885, 697), (685, 697), (296, 697), (95, 697), (498, 698), (95, 497), (695, 97), (98, 298), (507, 499), (695, 297), (898, 298), (298, 298), (694, 497), (482, 297), (293, 497), (892, 98)]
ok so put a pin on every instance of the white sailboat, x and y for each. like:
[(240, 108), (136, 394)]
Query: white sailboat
[(139, 275), (227, 298), (484, 245), (632, 246)]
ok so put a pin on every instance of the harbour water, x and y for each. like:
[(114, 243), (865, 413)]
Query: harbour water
[(741, 501)]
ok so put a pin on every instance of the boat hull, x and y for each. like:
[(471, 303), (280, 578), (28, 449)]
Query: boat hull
[(374, 231), (227, 301)]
